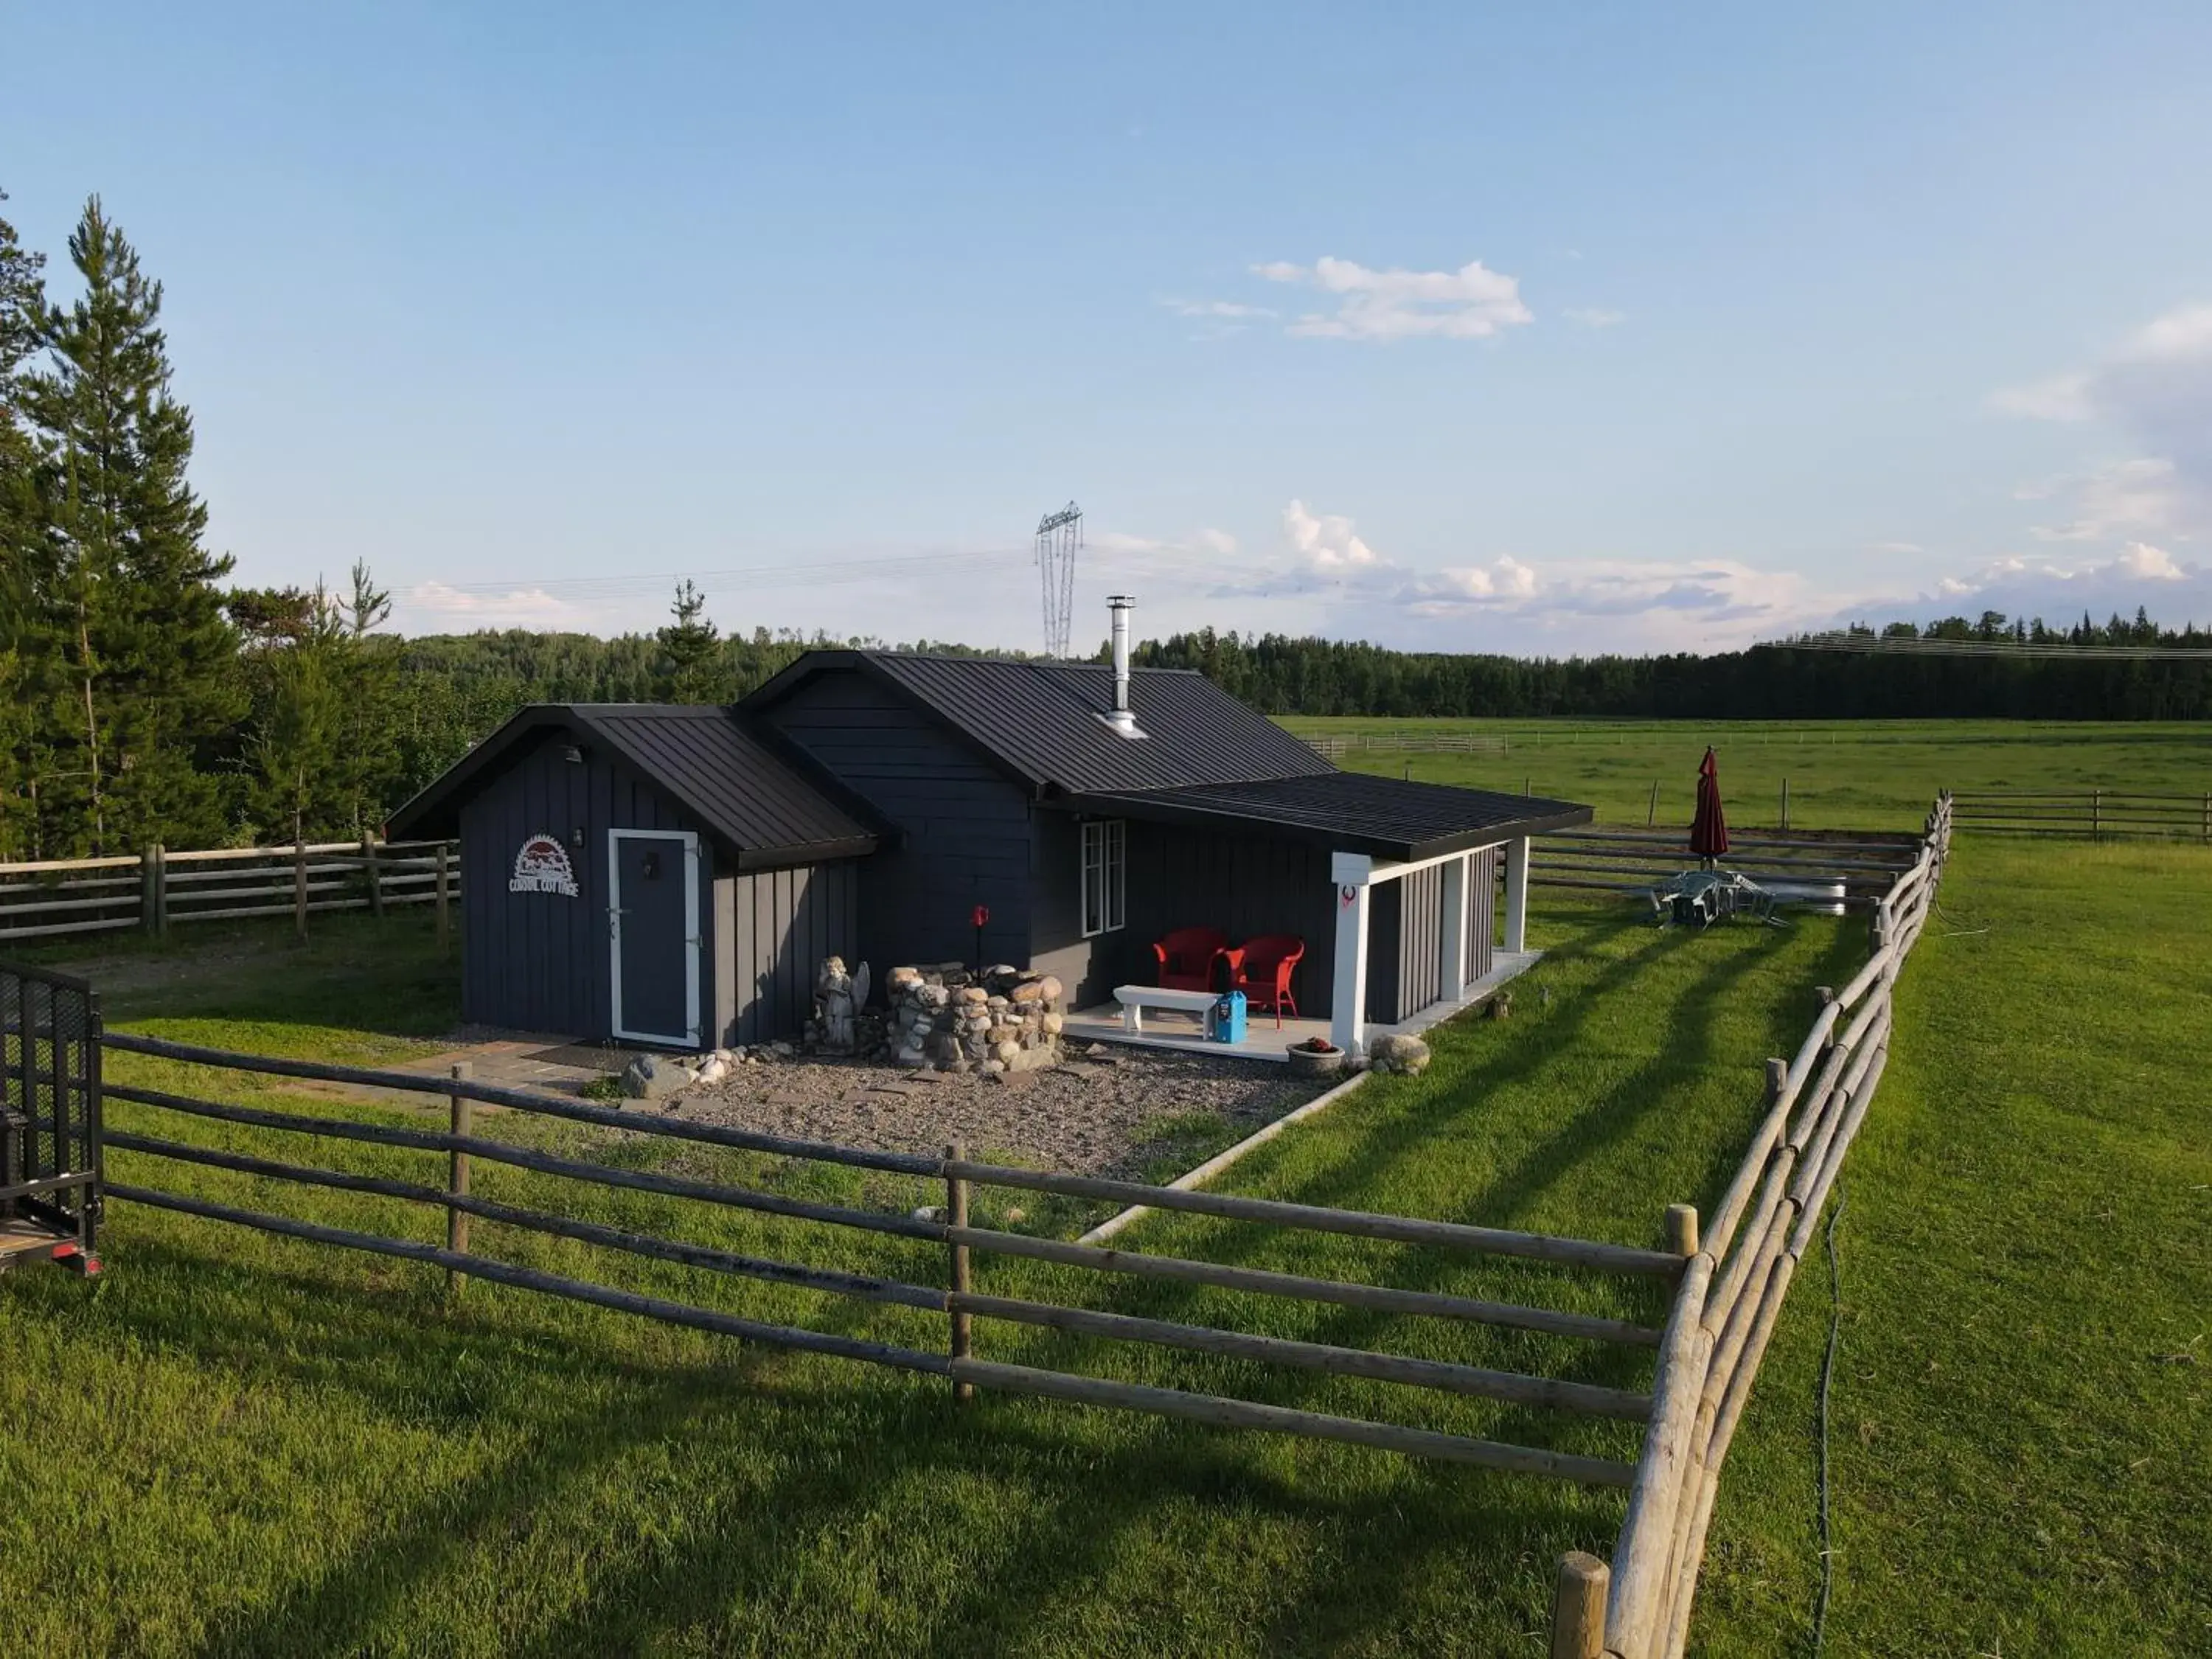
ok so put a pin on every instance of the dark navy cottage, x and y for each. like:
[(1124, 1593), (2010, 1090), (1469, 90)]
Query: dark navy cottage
[(671, 876)]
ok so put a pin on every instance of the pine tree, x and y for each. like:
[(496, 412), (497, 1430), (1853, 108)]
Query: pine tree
[(693, 666), (22, 533), (144, 654), (300, 723)]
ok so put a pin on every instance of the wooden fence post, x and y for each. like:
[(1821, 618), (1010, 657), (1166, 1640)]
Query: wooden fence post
[(955, 1213), (1651, 813), (2096, 815), (149, 900), (1785, 804), (2208, 817), (457, 1179), (375, 880), (299, 889), (1578, 1606), (161, 890), (1682, 1229), (445, 923)]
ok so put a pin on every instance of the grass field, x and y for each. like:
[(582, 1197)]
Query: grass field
[(236, 1444), (1842, 775)]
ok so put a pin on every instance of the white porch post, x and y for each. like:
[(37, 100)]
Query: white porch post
[(1352, 874), (1517, 893), (1452, 945)]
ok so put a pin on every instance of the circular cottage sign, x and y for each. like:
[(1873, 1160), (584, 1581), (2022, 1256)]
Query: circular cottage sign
[(542, 866)]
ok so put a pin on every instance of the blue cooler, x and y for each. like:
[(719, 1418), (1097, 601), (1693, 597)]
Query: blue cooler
[(1224, 1022)]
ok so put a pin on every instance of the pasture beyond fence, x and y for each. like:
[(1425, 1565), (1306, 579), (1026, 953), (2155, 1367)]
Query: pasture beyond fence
[(155, 889), (1723, 1291), (2087, 815)]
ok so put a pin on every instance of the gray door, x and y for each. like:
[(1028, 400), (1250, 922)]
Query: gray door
[(654, 890)]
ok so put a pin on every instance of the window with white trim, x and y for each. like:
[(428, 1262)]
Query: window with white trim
[(1105, 875)]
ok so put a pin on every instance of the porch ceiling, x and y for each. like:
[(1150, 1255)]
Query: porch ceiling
[(1352, 811)]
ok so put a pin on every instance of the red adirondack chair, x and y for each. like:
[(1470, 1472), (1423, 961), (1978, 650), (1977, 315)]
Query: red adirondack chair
[(1186, 957), (1261, 969)]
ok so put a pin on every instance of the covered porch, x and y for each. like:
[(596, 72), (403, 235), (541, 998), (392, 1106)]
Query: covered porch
[(1409, 930), (1262, 1041)]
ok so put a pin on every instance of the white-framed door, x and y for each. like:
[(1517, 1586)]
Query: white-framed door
[(652, 935)]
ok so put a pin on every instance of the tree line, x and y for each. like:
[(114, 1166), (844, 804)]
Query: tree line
[(145, 698), (1290, 676)]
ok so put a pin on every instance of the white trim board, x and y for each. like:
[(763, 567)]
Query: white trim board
[(692, 939)]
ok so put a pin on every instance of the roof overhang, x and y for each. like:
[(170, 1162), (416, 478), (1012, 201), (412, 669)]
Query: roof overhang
[(434, 813), (1358, 822)]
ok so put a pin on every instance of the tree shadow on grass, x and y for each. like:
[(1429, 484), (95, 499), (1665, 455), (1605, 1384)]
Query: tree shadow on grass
[(725, 1552)]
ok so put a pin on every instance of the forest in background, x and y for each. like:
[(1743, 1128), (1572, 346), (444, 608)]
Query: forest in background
[(145, 698)]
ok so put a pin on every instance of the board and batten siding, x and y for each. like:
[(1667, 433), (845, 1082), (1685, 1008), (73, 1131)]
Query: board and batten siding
[(1405, 937), (1245, 886), (779, 924), (541, 962), (964, 826)]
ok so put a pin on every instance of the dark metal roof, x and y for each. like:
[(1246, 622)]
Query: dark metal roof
[(763, 811), (1040, 721), (1354, 811)]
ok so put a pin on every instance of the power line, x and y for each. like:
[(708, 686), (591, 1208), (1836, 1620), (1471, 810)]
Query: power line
[(2048, 650), (784, 572)]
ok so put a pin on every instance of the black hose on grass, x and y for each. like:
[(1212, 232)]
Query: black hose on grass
[(1828, 1372)]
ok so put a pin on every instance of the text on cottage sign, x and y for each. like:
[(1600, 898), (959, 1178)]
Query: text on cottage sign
[(542, 866)]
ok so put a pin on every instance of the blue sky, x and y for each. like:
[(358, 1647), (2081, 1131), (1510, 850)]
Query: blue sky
[(1533, 329)]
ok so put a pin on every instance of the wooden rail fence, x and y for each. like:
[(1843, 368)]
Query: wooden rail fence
[(1830, 869), (155, 889), (1638, 1606), (464, 1144), (2090, 815)]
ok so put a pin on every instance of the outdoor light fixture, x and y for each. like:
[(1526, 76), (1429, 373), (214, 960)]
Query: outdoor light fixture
[(574, 755), (576, 838)]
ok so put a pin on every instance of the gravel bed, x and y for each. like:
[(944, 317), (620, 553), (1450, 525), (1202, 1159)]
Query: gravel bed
[(1106, 1114)]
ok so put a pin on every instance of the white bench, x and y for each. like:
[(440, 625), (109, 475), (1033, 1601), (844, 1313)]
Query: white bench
[(1135, 998)]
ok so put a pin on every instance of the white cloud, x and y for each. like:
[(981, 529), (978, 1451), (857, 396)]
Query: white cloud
[(2141, 495), (2061, 398), (1595, 316), (2156, 387), (1230, 309), (518, 607), (1893, 547), (1472, 302), (2173, 590), (1328, 542)]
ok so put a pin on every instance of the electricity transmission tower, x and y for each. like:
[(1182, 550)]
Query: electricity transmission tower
[(1059, 540)]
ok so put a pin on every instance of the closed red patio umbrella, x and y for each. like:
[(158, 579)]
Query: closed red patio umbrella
[(1709, 836)]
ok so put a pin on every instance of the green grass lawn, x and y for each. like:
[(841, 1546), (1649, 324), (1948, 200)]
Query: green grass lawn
[(1843, 773), (2022, 1405), (238, 1444), (235, 1444)]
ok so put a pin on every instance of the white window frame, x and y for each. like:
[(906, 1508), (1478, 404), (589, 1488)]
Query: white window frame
[(689, 1038), (1105, 854)]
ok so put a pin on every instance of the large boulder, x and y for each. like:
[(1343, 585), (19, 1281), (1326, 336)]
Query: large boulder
[(649, 1077), (1407, 1055)]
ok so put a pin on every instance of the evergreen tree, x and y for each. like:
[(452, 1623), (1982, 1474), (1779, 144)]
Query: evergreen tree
[(300, 719), (692, 666), (23, 533), (143, 657)]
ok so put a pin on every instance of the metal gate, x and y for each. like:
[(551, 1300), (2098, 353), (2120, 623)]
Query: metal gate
[(50, 1192)]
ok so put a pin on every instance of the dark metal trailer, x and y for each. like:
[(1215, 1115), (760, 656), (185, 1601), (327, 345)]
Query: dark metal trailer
[(50, 1168)]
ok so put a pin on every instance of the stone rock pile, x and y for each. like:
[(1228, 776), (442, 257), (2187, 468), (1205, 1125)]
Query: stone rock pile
[(948, 1019)]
